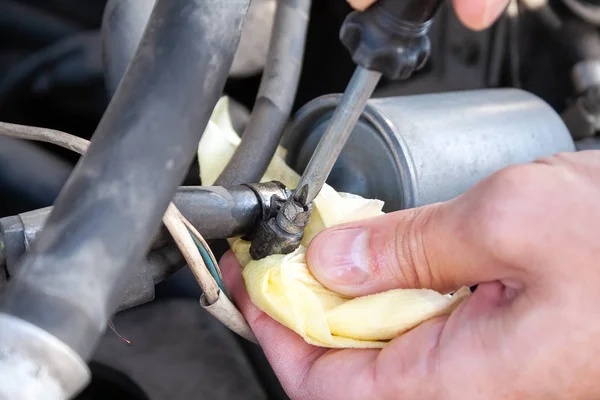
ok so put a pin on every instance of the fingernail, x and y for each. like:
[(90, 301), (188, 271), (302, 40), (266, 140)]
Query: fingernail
[(340, 257)]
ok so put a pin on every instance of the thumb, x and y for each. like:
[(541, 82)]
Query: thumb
[(428, 247), (361, 5)]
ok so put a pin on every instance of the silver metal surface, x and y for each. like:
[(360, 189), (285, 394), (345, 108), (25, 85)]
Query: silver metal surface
[(344, 119), (436, 146), (585, 75), (35, 365), (33, 221)]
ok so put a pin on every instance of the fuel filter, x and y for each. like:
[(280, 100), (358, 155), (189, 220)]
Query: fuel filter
[(412, 151)]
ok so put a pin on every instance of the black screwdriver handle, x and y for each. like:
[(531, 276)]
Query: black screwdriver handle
[(391, 36), (414, 12)]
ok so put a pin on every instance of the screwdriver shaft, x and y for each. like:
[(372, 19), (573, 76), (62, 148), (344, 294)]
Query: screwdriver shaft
[(345, 116)]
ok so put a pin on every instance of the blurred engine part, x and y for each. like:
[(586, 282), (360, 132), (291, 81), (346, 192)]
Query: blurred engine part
[(591, 143), (588, 10), (251, 55), (124, 23), (19, 161), (178, 352), (583, 116)]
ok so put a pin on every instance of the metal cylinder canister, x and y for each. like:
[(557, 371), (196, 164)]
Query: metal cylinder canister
[(416, 150)]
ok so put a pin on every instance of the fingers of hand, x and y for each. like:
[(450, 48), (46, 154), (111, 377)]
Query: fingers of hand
[(316, 373), (475, 14), (360, 5), (304, 371), (505, 228), (289, 355), (430, 247), (479, 14)]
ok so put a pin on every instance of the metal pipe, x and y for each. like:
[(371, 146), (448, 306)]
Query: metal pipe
[(216, 212), (275, 96), (72, 279)]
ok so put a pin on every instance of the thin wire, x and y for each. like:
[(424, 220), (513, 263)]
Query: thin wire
[(179, 231), (208, 261), (62, 139), (111, 325), (205, 245)]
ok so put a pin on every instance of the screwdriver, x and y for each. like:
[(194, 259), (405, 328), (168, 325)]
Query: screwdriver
[(388, 39)]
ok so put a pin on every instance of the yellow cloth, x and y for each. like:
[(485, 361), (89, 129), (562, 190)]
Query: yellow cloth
[(282, 285)]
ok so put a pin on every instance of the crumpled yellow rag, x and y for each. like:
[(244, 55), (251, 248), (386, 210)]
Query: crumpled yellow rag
[(282, 285)]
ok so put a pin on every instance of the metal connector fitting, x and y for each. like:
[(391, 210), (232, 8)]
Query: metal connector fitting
[(281, 234), (284, 218), (271, 195), (36, 365)]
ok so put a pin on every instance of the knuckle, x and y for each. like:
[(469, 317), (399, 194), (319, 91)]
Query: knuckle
[(568, 167), (412, 267), (507, 216), (521, 209)]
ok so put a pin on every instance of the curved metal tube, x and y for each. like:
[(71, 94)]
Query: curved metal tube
[(216, 212), (275, 96), (102, 223)]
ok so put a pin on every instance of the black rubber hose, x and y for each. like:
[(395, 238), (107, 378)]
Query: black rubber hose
[(105, 218), (30, 176), (19, 77), (26, 22), (581, 40), (275, 96)]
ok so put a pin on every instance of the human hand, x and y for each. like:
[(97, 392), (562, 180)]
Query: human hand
[(527, 235), (475, 14)]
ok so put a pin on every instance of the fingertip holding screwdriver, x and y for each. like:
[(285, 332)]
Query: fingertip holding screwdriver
[(388, 39)]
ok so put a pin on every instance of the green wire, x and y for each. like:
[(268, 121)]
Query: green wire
[(209, 262)]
